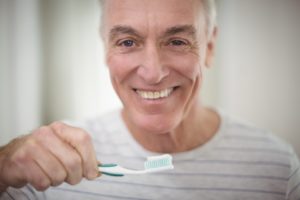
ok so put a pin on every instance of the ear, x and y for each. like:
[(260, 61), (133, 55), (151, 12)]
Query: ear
[(210, 52)]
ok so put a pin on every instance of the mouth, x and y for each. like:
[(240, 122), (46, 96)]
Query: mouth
[(155, 94)]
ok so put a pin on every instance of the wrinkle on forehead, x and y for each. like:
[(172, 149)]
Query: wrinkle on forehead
[(151, 15)]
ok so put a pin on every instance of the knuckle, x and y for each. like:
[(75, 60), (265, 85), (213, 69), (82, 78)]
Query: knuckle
[(58, 126), (74, 180), (73, 163), (19, 158), (92, 174), (30, 144), (59, 178), (74, 167), (41, 184), (84, 137), (42, 133)]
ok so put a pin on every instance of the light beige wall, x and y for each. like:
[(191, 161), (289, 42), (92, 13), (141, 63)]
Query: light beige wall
[(258, 62), (20, 68), (76, 78)]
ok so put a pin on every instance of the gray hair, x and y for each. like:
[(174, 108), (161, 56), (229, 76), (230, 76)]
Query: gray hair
[(209, 7), (210, 15)]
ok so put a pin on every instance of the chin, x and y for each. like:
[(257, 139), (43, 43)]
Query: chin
[(156, 124)]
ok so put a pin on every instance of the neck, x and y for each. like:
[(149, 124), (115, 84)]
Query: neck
[(195, 129)]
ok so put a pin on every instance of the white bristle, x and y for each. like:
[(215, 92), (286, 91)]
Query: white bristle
[(159, 162)]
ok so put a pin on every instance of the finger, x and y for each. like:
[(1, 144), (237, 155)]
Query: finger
[(81, 141), (67, 155), (36, 176), (24, 169), (48, 163)]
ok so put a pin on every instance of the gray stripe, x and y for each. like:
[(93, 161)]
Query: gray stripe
[(294, 189), (249, 127), (109, 143), (263, 150), (294, 173), (248, 137), (197, 188), (98, 194), (245, 190), (27, 197), (30, 189), (237, 137), (10, 195), (242, 176), (238, 162)]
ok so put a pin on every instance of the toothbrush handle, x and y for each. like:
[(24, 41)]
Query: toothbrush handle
[(116, 170)]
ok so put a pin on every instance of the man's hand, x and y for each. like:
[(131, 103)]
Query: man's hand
[(47, 157)]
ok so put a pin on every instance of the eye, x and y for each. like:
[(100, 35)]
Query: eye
[(127, 43), (178, 43)]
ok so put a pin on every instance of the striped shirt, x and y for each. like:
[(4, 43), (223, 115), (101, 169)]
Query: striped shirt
[(239, 162)]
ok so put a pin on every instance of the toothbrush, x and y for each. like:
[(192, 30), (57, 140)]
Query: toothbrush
[(152, 164)]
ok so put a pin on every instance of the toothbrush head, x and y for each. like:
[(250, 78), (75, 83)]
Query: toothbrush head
[(158, 163)]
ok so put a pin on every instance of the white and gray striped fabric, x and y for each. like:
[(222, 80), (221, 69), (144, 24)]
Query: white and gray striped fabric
[(240, 162)]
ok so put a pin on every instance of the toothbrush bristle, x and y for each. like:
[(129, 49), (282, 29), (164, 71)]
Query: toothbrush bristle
[(156, 162)]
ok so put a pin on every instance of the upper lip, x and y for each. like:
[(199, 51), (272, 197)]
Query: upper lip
[(153, 89)]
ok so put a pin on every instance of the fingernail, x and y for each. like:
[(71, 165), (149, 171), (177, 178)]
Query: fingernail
[(93, 174)]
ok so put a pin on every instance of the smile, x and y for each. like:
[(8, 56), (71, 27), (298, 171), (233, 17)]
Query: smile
[(155, 94)]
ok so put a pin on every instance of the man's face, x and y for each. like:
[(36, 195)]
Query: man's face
[(155, 52)]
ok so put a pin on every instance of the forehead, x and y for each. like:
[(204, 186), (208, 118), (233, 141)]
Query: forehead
[(152, 14)]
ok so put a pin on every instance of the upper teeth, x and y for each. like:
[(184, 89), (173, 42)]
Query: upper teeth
[(155, 94)]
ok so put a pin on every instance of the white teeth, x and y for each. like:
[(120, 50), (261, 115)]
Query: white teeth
[(155, 94)]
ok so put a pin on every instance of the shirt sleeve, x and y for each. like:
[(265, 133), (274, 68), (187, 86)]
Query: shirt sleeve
[(293, 190)]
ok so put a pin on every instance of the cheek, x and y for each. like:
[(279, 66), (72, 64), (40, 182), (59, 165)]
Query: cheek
[(120, 66), (188, 66)]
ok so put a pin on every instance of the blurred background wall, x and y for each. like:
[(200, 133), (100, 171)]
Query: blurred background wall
[(52, 68)]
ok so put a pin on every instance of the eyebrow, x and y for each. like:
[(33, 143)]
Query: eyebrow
[(117, 30), (186, 29), (120, 29)]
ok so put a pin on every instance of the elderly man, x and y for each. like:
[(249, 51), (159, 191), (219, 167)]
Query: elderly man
[(156, 51)]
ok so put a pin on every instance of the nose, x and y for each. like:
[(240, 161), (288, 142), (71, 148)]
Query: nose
[(151, 68)]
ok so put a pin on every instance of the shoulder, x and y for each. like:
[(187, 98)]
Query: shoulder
[(248, 133), (245, 141)]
